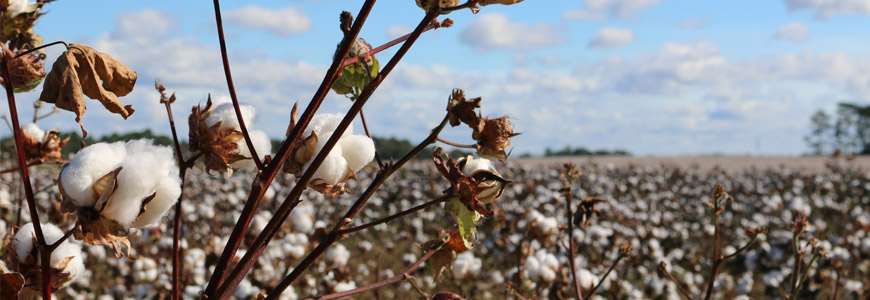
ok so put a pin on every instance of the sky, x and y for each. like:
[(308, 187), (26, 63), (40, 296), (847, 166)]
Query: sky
[(654, 77)]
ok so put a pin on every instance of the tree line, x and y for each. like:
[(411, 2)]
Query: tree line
[(847, 131)]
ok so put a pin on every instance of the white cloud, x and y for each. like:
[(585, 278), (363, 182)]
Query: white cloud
[(282, 21), (795, 31), (611, 37), (397, 31), (693, 23), (619, 8), (495, 31), (826, 9), (145, 25)]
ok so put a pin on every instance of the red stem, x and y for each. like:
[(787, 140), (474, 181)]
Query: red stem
[(395, 216), (376, 285), (386, 46), (176, 222), (229, 76), (28, 189), (259, 186), (573, 253), (456, 145)]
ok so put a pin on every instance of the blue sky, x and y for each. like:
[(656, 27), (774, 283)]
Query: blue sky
[(655, 77)]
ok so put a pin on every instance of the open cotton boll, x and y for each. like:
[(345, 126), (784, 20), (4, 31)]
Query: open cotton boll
[(358, 150), (326, 123), (334, 166), (148, 169), (90, 164), (23, 244), (542, 266), (226, 113), (262, 144), (33, 131)]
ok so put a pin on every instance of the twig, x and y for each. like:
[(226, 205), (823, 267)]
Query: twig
[(732, 255), (45, 252), (836, 292), (265, 178), (410, 280), (601, 281), (176, 221), (456, 144), (229, 76), (395, 216), (28, 51), (664, 268), (394, 279), (33, 163), (389, 44), (797, 288), (283, 212), (569, 178), (362, 117), (62, 239)]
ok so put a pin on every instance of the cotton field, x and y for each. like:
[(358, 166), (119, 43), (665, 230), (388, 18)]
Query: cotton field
[(661, 212)]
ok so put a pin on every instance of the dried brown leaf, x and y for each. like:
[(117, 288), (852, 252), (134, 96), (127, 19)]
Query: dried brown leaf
[(442, 260), (10, 285), (217, 146), (461, 110), (302, 152), (81, 70)]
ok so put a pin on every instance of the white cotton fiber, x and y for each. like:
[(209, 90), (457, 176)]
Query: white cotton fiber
[(466, 265), (586, 279), (87, 166), (332, 170), (227, 114), (337, 255), (262, 144), (33, 131), (358, 150), (473, 164), (23, 243), (146, 169), (542, 266), (326, 123)]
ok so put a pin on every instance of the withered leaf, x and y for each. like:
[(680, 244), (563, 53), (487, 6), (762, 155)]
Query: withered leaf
[(10, 285), (97, 230), (302, 152), (83, 70), (442, 260)]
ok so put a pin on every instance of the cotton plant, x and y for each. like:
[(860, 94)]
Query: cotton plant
[(349, 156), (116, 187), (216, 134), (66, 260), (41, 144), (466, 266)]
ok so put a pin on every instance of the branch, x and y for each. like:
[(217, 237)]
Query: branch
[(433, 25), (229, 76), (258, 188), (664, 268), (176, 221), (395, 216), (456, 144), (44, 250), (615, 262), (284, 211), (569, 182), (394, 279)]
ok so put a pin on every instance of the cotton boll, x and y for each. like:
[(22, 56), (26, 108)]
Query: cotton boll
[(326, 123), (358, 150), (586, 279), (288, 294), (33, 131), (466, 265), (337, 255), (90, 164), (148, 169), (226, 113), (333, 169), (261, 143), (245, 290), (302, 218), (145, 270), (17, 7), (23, 244)]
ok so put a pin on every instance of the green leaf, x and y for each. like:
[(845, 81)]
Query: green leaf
[(466, 219), (354, 77)]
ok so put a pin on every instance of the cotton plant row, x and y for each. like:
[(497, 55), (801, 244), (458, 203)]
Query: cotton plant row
[(111, 194)]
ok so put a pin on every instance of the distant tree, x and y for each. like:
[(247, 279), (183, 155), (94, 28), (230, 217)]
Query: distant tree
[(820, 132), (850, 132)]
